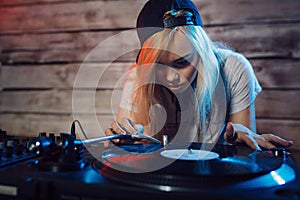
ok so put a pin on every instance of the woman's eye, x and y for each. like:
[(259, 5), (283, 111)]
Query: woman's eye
[(160, 66), (182, 63)]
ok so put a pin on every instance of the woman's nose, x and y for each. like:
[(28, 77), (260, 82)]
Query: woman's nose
[(172, 76)]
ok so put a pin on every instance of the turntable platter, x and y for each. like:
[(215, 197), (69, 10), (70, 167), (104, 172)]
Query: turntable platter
[(229, 166), (222, 160)]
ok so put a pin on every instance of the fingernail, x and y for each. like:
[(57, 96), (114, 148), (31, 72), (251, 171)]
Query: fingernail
[(116, 140)]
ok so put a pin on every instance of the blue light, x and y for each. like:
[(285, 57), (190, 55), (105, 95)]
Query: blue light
[(280, 180), (280, 176)]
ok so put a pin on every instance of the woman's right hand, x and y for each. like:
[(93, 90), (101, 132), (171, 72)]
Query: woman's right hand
[(126, 127), (113, 130)]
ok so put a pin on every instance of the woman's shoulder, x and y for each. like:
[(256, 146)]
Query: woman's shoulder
[(234, 59), (235, 62)]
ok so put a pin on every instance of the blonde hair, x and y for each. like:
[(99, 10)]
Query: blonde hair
[(208, 68)]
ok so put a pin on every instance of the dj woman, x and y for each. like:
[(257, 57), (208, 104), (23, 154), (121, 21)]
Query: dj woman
[(187, 87)]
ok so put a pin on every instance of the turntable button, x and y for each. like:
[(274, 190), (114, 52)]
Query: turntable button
[(165, 140), (42, 134), (9, 152), (10, 148), (2, 145), (3, 135), (19, 149), (52, 137), (279, 152), (1, 153)]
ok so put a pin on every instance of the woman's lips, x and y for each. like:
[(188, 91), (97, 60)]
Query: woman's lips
[(175, 87)]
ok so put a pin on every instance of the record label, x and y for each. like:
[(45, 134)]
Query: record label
[(189, 154)]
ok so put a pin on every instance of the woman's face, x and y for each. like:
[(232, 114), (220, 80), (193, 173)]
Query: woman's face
[(176, 67)]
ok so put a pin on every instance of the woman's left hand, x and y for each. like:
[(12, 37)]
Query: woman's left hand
[(236, 133)]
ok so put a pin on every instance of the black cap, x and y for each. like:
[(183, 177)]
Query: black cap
[(152, 15)]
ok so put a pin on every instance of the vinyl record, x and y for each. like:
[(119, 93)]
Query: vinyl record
[(229, 166)]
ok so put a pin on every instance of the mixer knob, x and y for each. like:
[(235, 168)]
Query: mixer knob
[(10, 143), (19, 149), (52, 137), (9, 152), (42, 134), (2, 146), (10, 147), (3, 135)]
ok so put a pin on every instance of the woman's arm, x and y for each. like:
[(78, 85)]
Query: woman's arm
[(245, 117)]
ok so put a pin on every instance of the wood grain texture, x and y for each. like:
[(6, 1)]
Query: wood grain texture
[(31, 2), (86, 15), (278, 104), (74, 16), (32, 124), (277, 73), (254, 41), (63, 76), (288, 129), (271, 40), (271, 73), (60, 101), (69, 47), (220, 12), (282, 104)]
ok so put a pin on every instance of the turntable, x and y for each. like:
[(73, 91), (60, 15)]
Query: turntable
[(61, 167), (226, 171)]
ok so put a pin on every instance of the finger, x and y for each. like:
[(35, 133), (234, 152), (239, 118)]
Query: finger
[(130, 124), (250, 142), (135, 128), (116, 129), (278, 140), (230, 135), (109, 131), (264, 143)]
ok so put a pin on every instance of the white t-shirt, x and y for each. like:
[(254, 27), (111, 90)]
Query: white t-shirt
[(242, 86)]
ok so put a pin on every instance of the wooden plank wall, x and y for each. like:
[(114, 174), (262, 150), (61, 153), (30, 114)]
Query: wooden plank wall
[(44, 42)]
